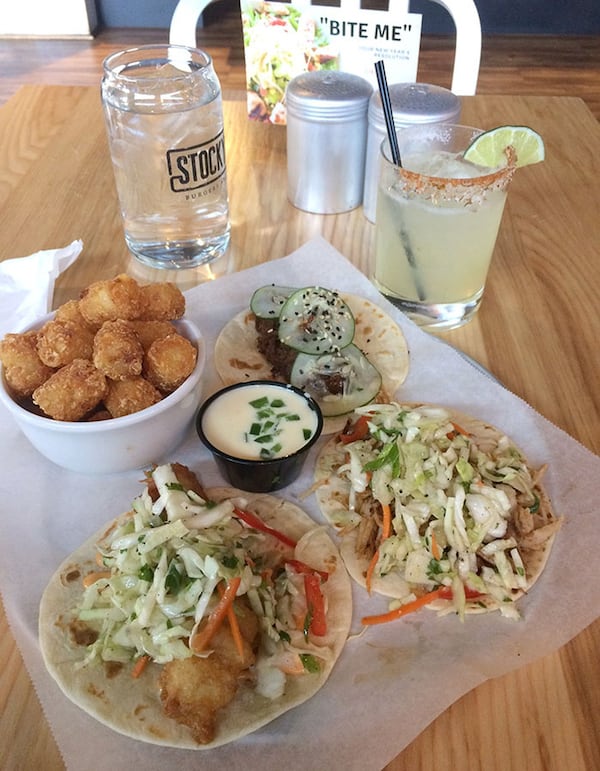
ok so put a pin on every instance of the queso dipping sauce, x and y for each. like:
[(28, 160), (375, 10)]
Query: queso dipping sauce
[(260, 432), (259, 422)]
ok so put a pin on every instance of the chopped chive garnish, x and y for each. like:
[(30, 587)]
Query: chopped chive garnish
[(258, 403), (267, 425)]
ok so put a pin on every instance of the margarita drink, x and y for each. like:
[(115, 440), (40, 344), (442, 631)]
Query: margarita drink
[(437, 221)]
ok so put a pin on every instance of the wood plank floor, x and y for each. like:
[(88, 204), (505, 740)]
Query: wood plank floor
[(511, 64)]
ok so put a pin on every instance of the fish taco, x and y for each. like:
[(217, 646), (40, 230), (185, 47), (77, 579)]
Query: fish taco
[(344, 350), (198, 616), (435, 508)]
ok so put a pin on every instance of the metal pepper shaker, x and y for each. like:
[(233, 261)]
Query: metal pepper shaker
[(326, 140), (412, 103)]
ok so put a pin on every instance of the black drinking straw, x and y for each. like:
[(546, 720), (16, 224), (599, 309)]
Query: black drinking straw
[(388, 113)]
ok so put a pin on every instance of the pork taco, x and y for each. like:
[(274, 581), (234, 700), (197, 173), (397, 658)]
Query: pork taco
[(198, 616), (435, 508), (344, 350)]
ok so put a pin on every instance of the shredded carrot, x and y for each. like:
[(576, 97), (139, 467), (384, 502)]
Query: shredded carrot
[(140, 665), (457, 430), (370, 570), (386, 530), (403, 610), (435, 549), (233, 625), (213, 623), (96, 575)]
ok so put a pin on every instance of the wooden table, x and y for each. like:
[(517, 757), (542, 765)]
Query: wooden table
[(537, 331)]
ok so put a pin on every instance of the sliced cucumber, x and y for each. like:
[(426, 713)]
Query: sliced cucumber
[(315, 320), (268, 301), (359, 379)]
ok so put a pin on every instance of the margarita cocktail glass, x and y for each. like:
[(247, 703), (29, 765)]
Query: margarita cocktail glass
[(436, 225)]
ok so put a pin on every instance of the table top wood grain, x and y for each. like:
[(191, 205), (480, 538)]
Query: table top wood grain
[(537, 332)]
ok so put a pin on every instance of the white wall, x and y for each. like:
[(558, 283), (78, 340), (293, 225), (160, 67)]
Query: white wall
[(47, 18)]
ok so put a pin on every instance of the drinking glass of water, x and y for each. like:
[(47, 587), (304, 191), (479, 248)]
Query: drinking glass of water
[(164, 117)]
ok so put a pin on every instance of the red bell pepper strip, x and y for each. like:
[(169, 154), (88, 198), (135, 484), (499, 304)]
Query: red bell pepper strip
[(316, 605), (445, 593), (302, 567), (252, 520)]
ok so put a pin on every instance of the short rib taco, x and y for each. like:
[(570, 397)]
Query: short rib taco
[(435, 508), (342, 349), (198, 616)]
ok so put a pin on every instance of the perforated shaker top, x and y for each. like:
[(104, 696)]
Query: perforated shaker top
[(416, 103), (327, 95)]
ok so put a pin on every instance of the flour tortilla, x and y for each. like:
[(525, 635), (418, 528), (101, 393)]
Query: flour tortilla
[(332, 492), (238, 359), (132, 707)]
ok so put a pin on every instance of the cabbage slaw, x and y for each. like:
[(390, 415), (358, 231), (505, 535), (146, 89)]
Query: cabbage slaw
[(452, 496), (165, 560)]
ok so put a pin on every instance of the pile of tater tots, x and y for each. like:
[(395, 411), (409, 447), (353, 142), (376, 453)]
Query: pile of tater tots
[(113, 352)]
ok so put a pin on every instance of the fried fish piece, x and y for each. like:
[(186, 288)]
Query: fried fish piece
[(194, 690), (60, 341), (23, 369), (162, 301), (117, 350), (107, 300), (130, 395), (169, 361), (72, 391), (185, 476)]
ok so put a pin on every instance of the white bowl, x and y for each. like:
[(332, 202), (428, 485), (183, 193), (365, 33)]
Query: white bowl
[(117, 444)]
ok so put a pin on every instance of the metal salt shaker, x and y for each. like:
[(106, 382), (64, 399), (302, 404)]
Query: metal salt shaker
[(412, 103), (326, 140)]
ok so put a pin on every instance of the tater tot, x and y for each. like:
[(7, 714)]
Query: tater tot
[(72, 391), (116, 298), (69, 311), (60, 341), (24, 371), (169, 361), (149, 331), (15, 346), (98, 415), (118, 352), (162, 301), (127, 396)]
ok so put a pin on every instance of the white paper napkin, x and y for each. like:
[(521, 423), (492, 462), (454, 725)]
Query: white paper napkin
[(27, 284), (390, 682)]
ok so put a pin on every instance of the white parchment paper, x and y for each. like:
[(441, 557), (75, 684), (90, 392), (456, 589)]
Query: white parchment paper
[(391, 681)]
